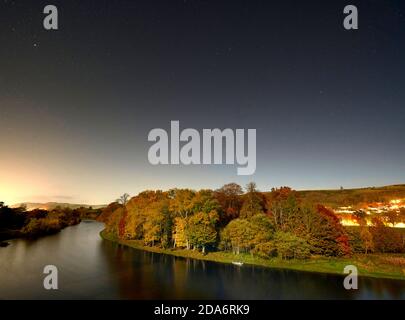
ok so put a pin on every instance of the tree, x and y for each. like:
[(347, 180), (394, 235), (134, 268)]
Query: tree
[(167, 228), (367, 239), (204, 201), (289, 246), (360, 217), (261, 229), (393, 217), (230, 201), (123, 200), (179, 233), (402, 215), (283, 206), (253, 202), (107, 213), (201, 230), (265, 250), (181, 202), (245, 234), (385, 239), (12, 218), (237, 235), (327, 236), (153, 227)]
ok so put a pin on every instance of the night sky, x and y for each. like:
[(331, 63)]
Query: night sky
[(77, 104)]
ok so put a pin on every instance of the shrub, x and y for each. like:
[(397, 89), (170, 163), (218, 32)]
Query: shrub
[(265, 250), (290, 246)]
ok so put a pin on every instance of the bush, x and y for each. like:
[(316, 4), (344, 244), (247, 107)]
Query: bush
[(38, 227), (290, 246), (265, 250)]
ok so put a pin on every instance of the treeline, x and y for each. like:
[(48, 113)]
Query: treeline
[(271, 224), (18, 222)]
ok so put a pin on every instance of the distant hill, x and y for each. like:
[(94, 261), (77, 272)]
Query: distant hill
[(53, 205), (344, 197), (331, 198)]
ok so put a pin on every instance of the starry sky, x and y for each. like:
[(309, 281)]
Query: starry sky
[(77, 104)]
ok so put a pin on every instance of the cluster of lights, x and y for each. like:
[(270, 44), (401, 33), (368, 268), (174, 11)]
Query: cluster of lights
[(346, 217)]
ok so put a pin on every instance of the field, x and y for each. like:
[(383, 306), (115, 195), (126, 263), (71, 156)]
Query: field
[(346, 197)]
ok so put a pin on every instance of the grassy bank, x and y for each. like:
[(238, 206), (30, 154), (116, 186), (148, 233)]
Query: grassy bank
[(390, 266)]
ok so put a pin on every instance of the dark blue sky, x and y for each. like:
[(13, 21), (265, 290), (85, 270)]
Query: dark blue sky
[(76, 104)]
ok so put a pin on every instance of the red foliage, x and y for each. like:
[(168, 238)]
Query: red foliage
[(121, 225), (337, 229)]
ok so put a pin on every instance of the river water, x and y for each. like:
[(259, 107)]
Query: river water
[(92, 268)]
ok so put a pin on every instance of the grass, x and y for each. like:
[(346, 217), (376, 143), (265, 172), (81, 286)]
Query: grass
[(391, 266)]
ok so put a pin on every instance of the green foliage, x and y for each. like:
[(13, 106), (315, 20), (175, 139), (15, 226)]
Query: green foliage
[(289, 246), (265, 250), (201, 230), (253, 202), (242, 235), (39, 227), (237, 235)]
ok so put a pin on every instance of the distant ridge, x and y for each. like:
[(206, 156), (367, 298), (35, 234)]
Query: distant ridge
[(53, 205), (344, 197)]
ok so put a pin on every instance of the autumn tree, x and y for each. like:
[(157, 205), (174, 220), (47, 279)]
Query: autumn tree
[(113, 225), (393, 217), (282, 205), (181, 202), (139, 208), (253, 202), (201, 230), (289, 246), (123, 200), (237, 235), (367, 239), (230, 201), (204, 201), (327, 236), (385, 239), (153, 228), (245, 234), (179, 233), (360, 216)]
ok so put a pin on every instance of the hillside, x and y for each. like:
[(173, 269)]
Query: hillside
[(353, 197), (52, 205)]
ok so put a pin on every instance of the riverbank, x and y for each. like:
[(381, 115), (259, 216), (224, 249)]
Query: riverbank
[(390, 266), (8, 234)]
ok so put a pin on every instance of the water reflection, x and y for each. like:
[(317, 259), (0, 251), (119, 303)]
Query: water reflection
[(90, 268), (155, 276)]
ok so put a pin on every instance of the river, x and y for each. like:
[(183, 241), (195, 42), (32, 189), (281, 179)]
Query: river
[(92, 268)]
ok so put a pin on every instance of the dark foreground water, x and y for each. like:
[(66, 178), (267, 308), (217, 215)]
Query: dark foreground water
[(91, 268)]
